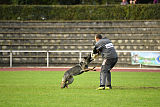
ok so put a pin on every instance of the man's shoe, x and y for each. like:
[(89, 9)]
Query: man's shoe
[(100, 88), (108, 87)]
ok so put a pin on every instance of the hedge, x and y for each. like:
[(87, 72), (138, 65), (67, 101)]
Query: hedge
[(58, 2), (79, 12)]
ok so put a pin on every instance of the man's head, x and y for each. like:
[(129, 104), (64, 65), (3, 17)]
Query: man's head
[(98, 37)]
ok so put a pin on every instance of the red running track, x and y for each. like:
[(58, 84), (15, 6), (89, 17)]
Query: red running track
[(64, 69)]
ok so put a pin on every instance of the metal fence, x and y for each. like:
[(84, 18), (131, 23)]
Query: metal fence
[(47, 53)]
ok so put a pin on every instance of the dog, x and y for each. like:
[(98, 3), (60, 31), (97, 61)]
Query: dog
[(76, 70)]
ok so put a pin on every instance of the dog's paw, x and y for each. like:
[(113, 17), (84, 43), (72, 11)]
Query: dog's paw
[(63, 85)]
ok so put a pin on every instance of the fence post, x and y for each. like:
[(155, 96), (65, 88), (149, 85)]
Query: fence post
[(10, 58), (80, 55), (47, 59), (140, 65)]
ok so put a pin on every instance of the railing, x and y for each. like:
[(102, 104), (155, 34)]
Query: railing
[(47, 53)]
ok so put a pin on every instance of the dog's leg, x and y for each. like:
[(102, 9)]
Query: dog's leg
[(90, 69), (64, 80), (69, 81)]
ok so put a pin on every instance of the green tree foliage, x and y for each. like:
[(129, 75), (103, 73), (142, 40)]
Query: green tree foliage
[(79, 12), (58, 2), (5, 1)]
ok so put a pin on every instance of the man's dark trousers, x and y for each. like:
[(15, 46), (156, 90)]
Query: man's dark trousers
[(105, 74)]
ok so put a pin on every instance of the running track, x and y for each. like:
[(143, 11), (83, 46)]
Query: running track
[(64, 69)]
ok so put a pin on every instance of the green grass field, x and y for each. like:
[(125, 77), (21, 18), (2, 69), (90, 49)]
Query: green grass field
[(42, 89)]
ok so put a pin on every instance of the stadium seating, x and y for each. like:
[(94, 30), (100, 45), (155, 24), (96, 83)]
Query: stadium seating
[(73, 35)]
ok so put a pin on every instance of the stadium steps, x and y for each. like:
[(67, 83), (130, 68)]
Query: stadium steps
[(74, 35), (141, 46), (110, 29), (84, 41), (81, 23)]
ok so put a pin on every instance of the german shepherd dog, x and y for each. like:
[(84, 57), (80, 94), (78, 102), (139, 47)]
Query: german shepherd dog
[(76, 70)]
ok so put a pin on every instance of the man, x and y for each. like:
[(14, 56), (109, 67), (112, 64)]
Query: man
[(124, 2), (105, 47), (155, 1)]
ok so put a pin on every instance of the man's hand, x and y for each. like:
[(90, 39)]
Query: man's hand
[(94, 56)]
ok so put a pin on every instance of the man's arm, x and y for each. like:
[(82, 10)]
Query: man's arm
[(96, 52)]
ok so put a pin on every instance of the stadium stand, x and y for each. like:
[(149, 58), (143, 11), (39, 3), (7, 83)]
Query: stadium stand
[(73, 35)]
